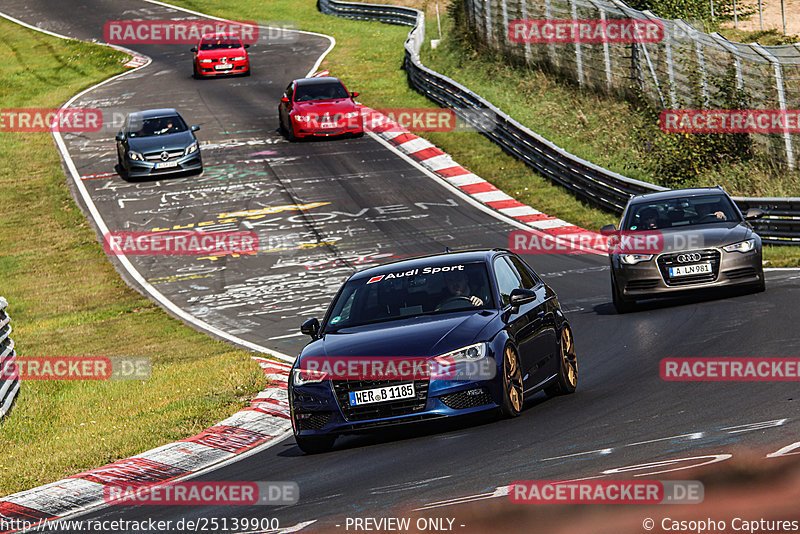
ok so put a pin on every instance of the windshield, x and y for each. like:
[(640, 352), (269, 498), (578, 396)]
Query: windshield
[(320, 91), (420, 291), (679, 212), (156, 126), (220, 43)]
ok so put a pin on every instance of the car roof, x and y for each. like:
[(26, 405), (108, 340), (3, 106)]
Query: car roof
[(153, 113), (678, 193), (432, 260), (317, 80)]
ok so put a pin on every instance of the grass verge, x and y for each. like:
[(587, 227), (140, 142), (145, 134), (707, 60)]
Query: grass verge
[(66, 299)]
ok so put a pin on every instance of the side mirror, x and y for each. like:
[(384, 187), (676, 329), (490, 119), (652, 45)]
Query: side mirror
[(608, 228), (522, 296), (285, 99), (120, 137), (193, 49), (754, 213), (310, 328), (195, 127), (246, 45), (354, 94)]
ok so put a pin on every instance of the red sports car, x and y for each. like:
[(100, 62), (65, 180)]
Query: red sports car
[(319, 106), (220, 54)]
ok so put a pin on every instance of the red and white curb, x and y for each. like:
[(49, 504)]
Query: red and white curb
[(136, 61), (265, 421), (442, 165)]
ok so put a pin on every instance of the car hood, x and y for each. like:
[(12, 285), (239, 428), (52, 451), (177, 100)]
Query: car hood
[(344, 105), (174, 141), (226, 52), (423, 336), (705, 236)]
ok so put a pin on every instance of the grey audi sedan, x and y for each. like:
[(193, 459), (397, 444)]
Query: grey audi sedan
[(156, 142), (696, 239)]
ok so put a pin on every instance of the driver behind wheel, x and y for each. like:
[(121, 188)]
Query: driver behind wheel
[(710, 211), (458, 286)]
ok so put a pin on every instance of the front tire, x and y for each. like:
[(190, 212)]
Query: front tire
[(315, 444), (512, 384), (620, 304), (761, 286), (567, 378)]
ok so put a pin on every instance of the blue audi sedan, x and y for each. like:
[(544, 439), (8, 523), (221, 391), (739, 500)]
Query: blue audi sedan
[(431, 337)]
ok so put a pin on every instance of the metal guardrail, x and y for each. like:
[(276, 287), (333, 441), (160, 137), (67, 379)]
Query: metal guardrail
[(8, 388), (589, 182)]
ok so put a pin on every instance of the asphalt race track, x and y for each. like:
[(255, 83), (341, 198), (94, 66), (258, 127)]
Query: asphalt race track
[(325, 208)]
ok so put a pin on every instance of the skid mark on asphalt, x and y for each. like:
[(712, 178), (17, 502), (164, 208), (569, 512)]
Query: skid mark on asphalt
[(715, 435)]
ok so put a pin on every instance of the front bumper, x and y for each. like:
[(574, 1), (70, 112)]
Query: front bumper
[(315, 409), (191, 163), (211, 70), (651, 278), (342, 127)]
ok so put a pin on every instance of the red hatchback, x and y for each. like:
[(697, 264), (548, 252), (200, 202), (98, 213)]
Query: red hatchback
[(319, 106), (220, 54)]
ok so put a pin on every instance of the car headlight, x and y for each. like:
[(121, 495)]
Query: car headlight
[(135, 155), (741, 246), (633, 259), (307, 376), (351, 115), (302, 118), (205, 61), (472, 353), (239, 58), (191, 148)]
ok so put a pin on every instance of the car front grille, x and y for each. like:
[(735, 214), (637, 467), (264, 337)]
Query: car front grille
[(313, 421), (156, 156), (665, 261), (329, 118), (378, 410), (464, 399)]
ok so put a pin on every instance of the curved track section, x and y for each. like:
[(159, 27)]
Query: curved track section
[(332, 206)]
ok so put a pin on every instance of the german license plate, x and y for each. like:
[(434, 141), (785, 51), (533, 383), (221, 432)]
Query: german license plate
[(166, 164), (224, 66), (384, 394), (688, 270), (327, 125)]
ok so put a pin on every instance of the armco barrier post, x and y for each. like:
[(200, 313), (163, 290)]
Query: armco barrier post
[(9, 387)]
